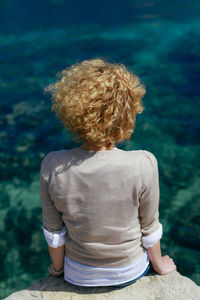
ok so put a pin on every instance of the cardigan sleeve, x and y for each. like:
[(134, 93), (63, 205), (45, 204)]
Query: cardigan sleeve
[(151, 229), (51, 216)]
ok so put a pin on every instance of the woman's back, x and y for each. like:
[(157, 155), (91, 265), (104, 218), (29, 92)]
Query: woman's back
[(98, 194)]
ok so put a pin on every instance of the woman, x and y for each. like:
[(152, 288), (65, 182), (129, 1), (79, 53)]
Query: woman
[(100, 203)]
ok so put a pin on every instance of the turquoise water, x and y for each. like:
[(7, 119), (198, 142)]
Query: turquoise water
[(156, 39)]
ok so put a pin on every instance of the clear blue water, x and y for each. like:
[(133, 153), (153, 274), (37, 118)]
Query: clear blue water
[(159, 40)]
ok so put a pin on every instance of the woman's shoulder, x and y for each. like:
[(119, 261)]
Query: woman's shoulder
[(54, 158), (146, 159), (147, 155), (143, 154), (58, 162), (138, 158), (57, 154), (49, 157), (149, 164)]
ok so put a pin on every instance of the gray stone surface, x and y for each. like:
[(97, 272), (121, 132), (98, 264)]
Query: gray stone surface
[(152, 287)]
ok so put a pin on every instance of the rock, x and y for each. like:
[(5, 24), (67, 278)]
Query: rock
[(151, 287)]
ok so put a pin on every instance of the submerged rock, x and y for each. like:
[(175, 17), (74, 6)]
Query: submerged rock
[(152, 287)]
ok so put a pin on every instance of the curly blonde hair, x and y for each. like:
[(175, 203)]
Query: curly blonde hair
[(98, 101)]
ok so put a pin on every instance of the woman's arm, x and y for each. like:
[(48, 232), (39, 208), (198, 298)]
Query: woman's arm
[(149, 216), (57, 257), (53, 227), (161, 264)]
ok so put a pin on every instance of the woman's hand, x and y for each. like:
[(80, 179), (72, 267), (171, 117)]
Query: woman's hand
[(165, 265), (161, 264), (53, 272)]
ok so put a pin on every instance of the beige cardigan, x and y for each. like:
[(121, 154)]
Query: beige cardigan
[(108, 200)]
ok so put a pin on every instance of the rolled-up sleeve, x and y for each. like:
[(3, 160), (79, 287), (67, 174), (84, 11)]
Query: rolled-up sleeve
[(55, 240), (53, 226), (151, 229)]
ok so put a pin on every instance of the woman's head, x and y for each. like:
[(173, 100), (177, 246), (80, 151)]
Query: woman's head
[(98, 101)]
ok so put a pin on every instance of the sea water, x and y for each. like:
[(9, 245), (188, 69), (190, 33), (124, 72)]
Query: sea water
[(159, 41)]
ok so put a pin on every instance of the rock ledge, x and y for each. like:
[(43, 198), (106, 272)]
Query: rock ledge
[(151, 287)]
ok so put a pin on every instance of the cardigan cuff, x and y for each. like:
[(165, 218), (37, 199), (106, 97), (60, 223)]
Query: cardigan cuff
[(54, 240), (153, 238)]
